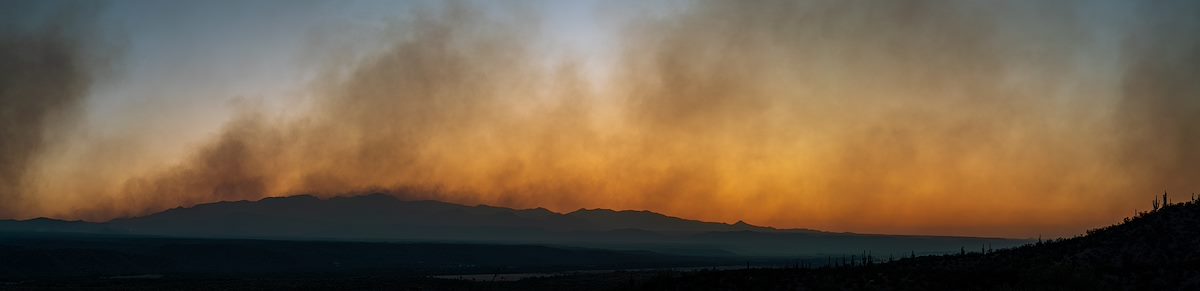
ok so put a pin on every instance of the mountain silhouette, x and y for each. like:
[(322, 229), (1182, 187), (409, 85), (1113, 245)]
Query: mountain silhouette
[(1157, 250), (382, 217), (373, 241)]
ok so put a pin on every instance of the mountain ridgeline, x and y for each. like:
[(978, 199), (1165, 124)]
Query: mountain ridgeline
[(379, 242), (1156, 250), (384, 218)]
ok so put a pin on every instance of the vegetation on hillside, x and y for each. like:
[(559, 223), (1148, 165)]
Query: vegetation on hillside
[(1155, 250)]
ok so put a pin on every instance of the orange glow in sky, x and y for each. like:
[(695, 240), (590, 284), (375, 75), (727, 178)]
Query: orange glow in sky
[(921, 117)]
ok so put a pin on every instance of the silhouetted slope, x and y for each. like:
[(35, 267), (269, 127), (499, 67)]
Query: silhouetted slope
[(646, 220), (1155, 251), (49, 225), (380, 217)]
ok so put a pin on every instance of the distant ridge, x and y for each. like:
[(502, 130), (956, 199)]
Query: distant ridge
[(1157, 250), (382, 217)]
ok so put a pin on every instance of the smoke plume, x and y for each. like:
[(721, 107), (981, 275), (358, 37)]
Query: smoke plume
[(849, 115), (43, 80), (1159, 115)]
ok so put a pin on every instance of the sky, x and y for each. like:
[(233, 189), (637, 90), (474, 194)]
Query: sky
[(982, 118)]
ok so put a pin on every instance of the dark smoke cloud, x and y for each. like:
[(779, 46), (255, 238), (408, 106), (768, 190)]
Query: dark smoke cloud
[(1159, 114), (850, 115), (452, 82), (43, 80)]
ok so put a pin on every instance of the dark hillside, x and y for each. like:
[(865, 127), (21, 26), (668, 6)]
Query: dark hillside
[(384, 218), (1158, 250)]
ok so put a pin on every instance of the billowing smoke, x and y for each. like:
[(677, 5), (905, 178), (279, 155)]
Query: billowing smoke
[(43, 79), (1159, 114), (1010, 118)]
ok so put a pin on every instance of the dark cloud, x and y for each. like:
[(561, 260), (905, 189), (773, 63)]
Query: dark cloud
[(850, 115), (1159, 112), (42, 83)]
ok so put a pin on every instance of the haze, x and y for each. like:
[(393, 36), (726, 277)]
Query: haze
[(1014, 118)]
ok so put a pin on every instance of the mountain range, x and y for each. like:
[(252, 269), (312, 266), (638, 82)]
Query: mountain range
[(199, 248), (1155, 250), (383, 218)]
